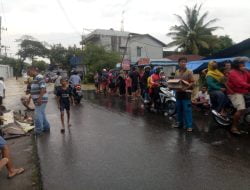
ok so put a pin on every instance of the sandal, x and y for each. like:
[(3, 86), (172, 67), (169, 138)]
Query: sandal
[(235, 132), (16, 172)]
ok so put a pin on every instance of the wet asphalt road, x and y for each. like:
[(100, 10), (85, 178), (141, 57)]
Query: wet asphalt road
[(114, 145)]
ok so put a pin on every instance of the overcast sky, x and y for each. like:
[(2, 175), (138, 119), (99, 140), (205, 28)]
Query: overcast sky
[(62, 21)]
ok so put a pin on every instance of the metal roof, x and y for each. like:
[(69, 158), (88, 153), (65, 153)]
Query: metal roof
[(198, 66)]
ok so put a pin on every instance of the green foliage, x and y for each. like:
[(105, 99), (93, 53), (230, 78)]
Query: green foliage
[(41, 65), (60, 56), (30, 49), (193, 33), (96, 58), (220, 43)]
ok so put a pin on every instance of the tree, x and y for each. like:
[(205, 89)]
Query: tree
[(97, 58), (193, 33), (222, 42), (41, 65), (58, 55), (31, 49)]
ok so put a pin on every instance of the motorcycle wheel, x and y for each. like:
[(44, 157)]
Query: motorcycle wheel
[(170, 107), (247, 118), (219, 120)]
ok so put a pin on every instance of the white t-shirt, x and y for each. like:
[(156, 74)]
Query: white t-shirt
[(2, 88), (58, 81), (203, 96)]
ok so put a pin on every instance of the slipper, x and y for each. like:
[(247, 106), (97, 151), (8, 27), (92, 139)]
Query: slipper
[(189, 130), (235, 132), (3, 162), (16, 172)]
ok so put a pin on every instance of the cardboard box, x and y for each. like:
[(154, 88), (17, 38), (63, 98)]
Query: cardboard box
[(177, 84)]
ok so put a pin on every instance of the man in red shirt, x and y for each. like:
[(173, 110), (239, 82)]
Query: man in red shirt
[(238, 84)]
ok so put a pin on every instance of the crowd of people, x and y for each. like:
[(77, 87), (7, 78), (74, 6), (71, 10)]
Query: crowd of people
[(225, 84)]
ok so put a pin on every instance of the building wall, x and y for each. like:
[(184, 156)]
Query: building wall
[(149, 48), (6, 71), (113, 43)]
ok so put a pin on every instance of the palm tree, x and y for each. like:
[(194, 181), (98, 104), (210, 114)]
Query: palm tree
[(194, 33)]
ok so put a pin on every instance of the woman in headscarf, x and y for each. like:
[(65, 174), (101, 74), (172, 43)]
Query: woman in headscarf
[(216, 87)]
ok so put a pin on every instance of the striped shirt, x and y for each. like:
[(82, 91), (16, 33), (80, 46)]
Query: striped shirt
[(37, 84)]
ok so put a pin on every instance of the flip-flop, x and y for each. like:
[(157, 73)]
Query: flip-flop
[(235, 132), (17, 172), (3, 162)]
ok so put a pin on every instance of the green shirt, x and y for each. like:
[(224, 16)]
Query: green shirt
[(213, 84)]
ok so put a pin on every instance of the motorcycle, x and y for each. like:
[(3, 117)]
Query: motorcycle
[(230, 110), (77, 93), (166, 102)]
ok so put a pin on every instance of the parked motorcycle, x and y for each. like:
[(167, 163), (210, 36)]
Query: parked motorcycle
[(166, 102), (230, 110), (77, 94)]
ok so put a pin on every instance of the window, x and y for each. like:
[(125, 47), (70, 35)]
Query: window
[(139, 51)]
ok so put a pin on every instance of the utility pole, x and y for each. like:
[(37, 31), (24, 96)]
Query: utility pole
[(1, 28)]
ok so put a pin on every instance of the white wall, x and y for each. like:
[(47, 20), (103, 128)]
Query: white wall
[(6, 71), (149, 48)]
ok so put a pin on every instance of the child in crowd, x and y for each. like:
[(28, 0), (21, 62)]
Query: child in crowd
[(202, 100), (64, 99)]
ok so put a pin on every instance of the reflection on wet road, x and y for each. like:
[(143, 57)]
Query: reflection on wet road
[(114, 144)]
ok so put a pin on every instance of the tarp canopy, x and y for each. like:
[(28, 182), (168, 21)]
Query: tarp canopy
[(198, 66)]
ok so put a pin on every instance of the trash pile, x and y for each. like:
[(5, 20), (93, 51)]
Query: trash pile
[(14, 124)]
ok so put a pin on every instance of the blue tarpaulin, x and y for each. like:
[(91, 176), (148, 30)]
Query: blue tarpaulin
[(198, 66)]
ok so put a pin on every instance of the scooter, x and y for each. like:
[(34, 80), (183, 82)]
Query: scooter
[(166, 102), (230, 110), (77, 93)]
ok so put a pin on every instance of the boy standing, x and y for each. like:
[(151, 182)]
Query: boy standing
[(64, 98)]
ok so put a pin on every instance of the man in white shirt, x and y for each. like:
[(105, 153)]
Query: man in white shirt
[(2, 90), (202, 100)]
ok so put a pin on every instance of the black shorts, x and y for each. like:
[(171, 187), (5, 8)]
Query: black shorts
[(64, 106), (134, 87)]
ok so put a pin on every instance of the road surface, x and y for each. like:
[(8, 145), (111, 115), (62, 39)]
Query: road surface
[(114, 145)]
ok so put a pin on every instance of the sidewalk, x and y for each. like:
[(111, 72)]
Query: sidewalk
[(22, 149)]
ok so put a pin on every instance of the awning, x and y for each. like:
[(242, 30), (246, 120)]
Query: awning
[(198, 66)]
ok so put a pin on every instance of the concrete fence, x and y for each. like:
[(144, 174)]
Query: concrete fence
[(6, 71)]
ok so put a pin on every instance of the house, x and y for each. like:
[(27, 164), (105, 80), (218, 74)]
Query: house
[(132, 45)]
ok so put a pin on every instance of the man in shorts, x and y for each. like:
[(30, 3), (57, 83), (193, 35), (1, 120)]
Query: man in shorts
[(238, 84)]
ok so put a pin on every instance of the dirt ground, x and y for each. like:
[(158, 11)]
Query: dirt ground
[(23, 149)]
